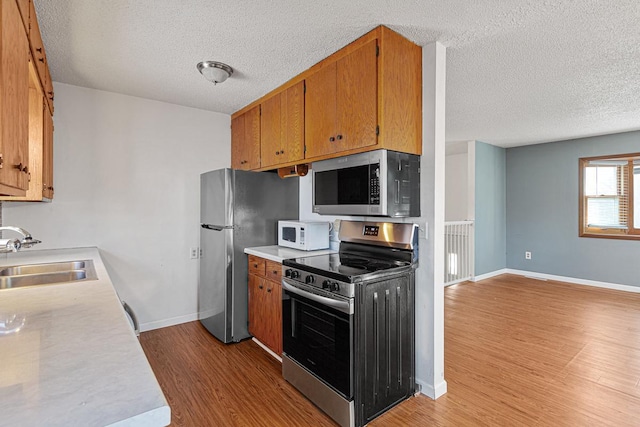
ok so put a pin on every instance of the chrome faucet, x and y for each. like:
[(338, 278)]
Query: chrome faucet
[(14, 245)]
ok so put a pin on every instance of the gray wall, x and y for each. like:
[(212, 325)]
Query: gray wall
[(490, 207), (542, 212)]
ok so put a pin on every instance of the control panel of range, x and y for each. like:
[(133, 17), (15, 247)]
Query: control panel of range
[(327, 284)]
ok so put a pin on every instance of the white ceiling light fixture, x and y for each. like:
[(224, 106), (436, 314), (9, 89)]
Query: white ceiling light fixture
[(215, 72)]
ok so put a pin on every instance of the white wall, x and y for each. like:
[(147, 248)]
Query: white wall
[(127, 175)]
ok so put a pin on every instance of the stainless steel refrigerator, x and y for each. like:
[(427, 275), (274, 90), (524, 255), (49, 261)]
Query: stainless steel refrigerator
[(238, 209)]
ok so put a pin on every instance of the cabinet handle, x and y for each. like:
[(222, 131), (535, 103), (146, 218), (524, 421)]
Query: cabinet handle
[(38, 49), (22, 168), (41, 60), (339, 137), (331, 139)]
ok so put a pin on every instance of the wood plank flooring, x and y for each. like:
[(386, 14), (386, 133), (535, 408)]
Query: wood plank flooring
[(518, 352)]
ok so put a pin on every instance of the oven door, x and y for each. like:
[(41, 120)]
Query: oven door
[(318, 334)]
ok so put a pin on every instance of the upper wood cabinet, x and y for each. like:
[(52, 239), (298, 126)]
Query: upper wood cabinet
[(366, 96), (26, 107), (24, 6), (341, 101), (14, 101), (245, 137), (282, 127)]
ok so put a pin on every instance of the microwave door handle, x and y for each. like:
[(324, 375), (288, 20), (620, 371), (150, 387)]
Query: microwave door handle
[(397, 191), (343, 306)]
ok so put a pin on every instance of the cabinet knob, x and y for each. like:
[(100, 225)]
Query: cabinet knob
[(281, 151), (277, 152), (41, 60), (39, 49), (269, 290), (260, 286), (22, 168), (339, 137), (255, 265), (331, 139)]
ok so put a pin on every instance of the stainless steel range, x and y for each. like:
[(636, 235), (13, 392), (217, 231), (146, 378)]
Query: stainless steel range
[(348, 322)]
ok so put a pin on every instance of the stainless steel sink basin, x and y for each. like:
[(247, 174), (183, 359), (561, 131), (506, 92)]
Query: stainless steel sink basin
[(42, 268), (46, 274)]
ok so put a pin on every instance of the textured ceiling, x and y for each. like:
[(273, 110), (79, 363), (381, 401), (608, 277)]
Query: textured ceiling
[(518, 72)]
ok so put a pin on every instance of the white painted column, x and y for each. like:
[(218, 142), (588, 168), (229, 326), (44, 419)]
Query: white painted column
[(430, 274)]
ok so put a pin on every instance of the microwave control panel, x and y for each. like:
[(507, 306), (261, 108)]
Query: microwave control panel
[(374, 184)]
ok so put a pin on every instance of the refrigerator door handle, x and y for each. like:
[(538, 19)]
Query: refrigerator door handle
[(216, 227)]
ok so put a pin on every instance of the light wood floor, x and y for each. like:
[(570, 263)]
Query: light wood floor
[(518, 352)]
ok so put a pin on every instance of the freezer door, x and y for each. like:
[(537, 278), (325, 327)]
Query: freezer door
[(216, 197), (215, 287)]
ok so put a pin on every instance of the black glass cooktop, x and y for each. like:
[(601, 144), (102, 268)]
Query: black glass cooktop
[(345, 267)]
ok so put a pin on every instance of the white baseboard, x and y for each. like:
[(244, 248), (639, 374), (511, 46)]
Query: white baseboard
[(489, 275), (149, 326), (574, 280), (431, 391), (267, 349)]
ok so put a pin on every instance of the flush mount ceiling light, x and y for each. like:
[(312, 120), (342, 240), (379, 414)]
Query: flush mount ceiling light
[(215, 72)]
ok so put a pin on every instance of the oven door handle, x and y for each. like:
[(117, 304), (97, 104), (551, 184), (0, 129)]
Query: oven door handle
[(343, 306)]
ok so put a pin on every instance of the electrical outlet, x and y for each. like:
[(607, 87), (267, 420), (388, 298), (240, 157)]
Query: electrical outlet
[(527, 255), (194, 253)]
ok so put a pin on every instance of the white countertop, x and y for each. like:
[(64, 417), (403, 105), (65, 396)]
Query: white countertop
[(76, 360), (278, 253)]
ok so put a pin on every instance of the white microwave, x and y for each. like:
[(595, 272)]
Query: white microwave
[(303, 235)]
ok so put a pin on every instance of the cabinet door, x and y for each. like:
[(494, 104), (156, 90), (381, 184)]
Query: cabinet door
[(292, 107), (47, 164), (14, 99), (245, 140), (271, 130), (237, 142), (23, 6), (320, 112), (274, 295), (282, 127), (256, 292), (357, 98), (272, 316)]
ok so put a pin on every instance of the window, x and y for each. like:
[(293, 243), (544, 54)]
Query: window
[(610, 196)]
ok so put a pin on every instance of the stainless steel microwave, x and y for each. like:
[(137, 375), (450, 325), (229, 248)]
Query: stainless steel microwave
[(375, 183)]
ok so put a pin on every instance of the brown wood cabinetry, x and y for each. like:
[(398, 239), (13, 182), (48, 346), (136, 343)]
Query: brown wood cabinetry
[(282, 127), (14, 101), (27, 125), (341, 101), (366, 96), (245, 137), (265, 302)]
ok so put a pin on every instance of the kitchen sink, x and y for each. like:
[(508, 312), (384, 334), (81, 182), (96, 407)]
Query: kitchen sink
[(46, 274), (42, 268)]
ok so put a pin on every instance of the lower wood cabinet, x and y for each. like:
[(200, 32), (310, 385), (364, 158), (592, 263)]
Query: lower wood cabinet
[(265, 302)]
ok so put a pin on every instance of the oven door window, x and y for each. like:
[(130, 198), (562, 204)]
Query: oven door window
[(348, 186), (320, 339)]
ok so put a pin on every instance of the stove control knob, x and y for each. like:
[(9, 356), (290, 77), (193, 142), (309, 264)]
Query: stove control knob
[(333, 287), (326, 284), (309, 279), (288, 272), (295, 274)]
